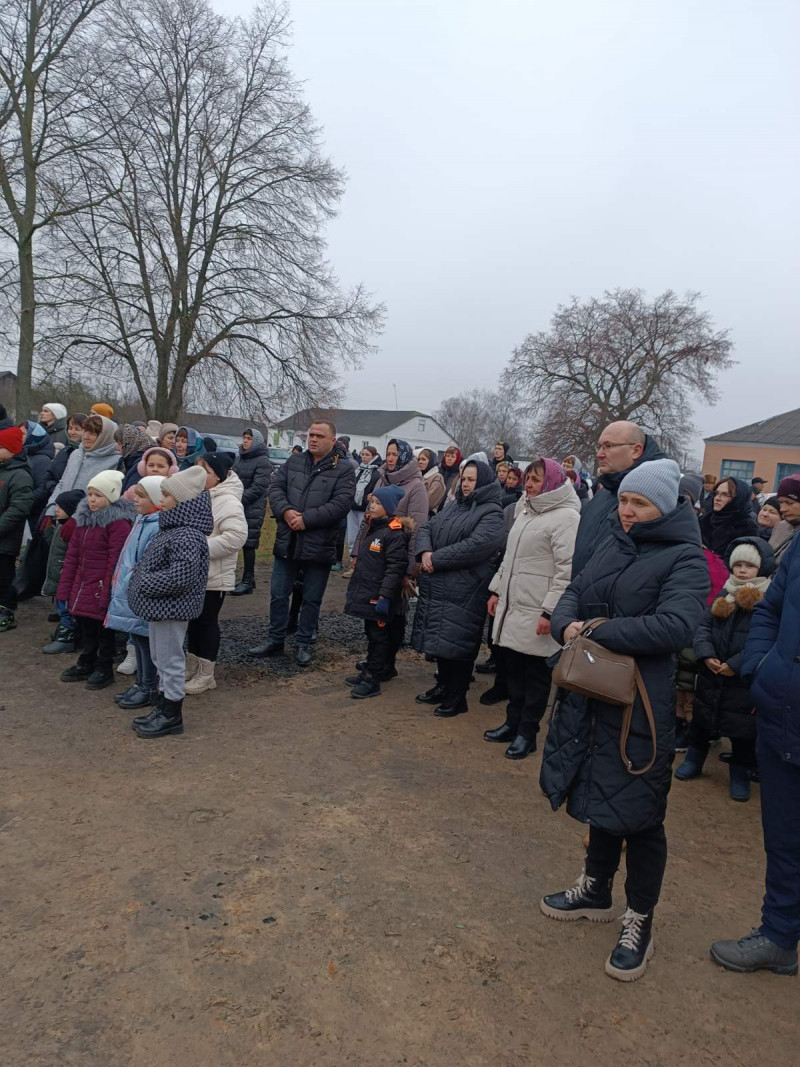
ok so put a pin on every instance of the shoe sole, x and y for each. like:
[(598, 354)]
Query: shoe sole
[(790, 971), (161, 733), (82, 678), (57, 651), (196, 692), (449, 714), (364, 696), (497, 740), (594, 915), (636, 972)]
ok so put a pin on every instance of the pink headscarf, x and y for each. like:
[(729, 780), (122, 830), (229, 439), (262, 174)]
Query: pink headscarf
[(554, 474)]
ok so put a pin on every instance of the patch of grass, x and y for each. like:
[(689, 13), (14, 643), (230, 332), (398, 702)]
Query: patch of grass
[(264, 550)]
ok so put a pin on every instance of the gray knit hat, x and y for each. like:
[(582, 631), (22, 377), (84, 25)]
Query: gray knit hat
[(657, 480), (185, 485), (746, 553)]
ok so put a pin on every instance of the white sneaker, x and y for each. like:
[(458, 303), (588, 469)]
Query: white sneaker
[(128, 665), (204, 679)]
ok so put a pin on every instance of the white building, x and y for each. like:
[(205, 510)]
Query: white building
[(376, 428)]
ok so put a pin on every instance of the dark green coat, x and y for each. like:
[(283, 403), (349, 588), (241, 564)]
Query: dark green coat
[(16, 501)]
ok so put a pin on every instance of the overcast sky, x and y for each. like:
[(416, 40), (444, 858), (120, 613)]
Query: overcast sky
[(505, 156)]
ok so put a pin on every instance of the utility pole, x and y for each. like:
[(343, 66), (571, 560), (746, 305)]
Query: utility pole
[(394, 386)]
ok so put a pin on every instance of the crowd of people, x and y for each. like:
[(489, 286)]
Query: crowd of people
[(137, 530)]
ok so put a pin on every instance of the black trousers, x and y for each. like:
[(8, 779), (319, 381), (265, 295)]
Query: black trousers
[(528, 681), (743, 749), (97, 643), (646, 863), (7, 598), (249, 557), (455, 675), (384, 639), (203, 632)]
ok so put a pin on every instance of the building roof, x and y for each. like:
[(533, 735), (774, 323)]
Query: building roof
[(779, 430), (220, 424), (366, 421)]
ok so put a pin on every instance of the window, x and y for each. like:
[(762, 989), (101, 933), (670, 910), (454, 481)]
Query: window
[(364, 444), (784, 470), (420, 425), (737, 468)]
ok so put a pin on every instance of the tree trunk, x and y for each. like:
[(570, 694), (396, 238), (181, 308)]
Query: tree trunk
[(27, 322)]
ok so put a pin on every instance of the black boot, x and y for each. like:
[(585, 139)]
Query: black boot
[(521, 747), (629, 959), (367, 687), (269, 648), (138, 698), (496, 694), (355, 679), (489, 666), (168, 720), (502, 733), (156, 699), (79, 672), (101, 677), (453, 705), (589, 898), (245, 586), (63, 641), (432, 696), (129, 692), (7, 620)]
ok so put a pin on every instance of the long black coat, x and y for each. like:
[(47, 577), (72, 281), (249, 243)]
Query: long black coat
[(651, 583), (255, 470), (464, 539), (595, 513), (719, 529), (380, 567), (40, 454), (323, 493)]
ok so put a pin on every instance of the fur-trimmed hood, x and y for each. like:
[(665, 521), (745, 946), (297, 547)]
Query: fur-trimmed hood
[(120, 509)]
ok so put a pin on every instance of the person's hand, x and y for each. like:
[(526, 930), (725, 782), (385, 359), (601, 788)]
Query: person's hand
[(409, 586), (491, 604), (383, 606), (713, 665), (294, 519), (726, 670), (572, 631), (543, 627), (427, 562)]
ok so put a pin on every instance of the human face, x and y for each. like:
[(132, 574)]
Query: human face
[(211, 478), (568, 463), (74, 432), (722, 496), (392, 456), (156, 464), (615, 451), (768, 516), (469, 479), (96, 500), (450, 457), (366, 456), (46, 417), (320, 440), (89, 438), (790, 510), (533, 481), (142, 502), (375, 509), (168, 502), (247, 442), (168, 440), (745, 571), (423, 461), (513, 479), (633, 508), (5, 455), (181, 444), (61, 515), (499, 452), (502, 472)]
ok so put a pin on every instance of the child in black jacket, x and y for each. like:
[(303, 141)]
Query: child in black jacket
[(722, 703), (375, 593)]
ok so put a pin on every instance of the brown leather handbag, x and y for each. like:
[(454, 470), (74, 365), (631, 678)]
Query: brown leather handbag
[(587, 668)]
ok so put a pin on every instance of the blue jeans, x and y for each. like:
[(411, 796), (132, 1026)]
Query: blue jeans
[(780, 817), (63, 610), (284, 574), (146, 675)]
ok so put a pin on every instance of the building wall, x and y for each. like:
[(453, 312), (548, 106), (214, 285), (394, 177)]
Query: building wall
[(430, 435), (765, 459)]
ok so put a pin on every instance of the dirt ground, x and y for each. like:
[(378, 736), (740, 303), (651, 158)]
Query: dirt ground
[(303, 879)]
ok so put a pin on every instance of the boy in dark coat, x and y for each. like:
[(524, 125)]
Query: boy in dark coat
[(375, 593), (722, 702), (16, 501)]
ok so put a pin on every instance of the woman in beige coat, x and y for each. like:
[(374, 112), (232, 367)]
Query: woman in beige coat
[(535, 571), (432, 477), (228, 536)]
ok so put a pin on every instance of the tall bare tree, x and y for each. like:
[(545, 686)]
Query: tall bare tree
[(42, 79), (204, 274), (480, 417), (620, 358)]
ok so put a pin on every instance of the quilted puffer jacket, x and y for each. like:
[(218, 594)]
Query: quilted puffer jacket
[(94, 549), (229, 533), (323, 493), (169, 582), (651, 583), (120, 616), (254, 468)]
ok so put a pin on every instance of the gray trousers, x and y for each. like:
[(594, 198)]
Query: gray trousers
[(166, 649)]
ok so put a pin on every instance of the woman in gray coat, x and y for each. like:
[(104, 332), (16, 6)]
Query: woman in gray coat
[(456, 549)]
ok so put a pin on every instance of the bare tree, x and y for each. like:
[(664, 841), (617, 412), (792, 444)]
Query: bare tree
[(42, 75), (205, 273), (480, 417), (620, 358)]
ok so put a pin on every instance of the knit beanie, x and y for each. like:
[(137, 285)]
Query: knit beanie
[(167, 427), (13, 439), (151, 484), (103, 409), (153, 429), (746, 553), (109, 483), (69, 500), (657, 481), (790, 487), (58, 411), (186, 485), (772, 502), (220, 463), (390, 497)]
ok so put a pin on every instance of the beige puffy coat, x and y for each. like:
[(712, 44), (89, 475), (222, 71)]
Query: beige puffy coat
[(536, 569), (229, 533)]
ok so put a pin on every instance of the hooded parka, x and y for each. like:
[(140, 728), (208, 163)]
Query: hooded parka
[(82, 465), (92, 555), (254, 469), (120, 614), (228, 536), (719, 529), (16, 501)]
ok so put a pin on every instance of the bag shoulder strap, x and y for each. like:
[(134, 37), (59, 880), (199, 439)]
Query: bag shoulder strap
[(626, 726)]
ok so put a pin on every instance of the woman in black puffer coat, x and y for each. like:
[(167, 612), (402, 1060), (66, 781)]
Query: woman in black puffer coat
[(255, 470), (731, 516), (649, 578), (456, 549)]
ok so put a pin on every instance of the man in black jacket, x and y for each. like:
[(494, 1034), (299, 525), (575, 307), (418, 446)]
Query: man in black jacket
[(622, 446), (309, 496)]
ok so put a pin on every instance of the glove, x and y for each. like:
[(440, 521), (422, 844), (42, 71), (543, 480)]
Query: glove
[(384, 606)]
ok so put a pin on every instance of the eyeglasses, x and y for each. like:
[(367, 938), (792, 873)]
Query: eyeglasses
[(604, 446)]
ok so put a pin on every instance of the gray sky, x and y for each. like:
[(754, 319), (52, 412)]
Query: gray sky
[(503, 157)]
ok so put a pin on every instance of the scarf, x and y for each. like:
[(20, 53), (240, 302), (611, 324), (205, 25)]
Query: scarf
[(405, 452), (364, 476), (134, 440), (733, 585)]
